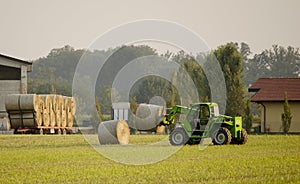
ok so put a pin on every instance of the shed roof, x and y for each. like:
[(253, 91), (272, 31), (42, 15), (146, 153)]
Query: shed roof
[(15, 59), (273, 89), (14, 62)]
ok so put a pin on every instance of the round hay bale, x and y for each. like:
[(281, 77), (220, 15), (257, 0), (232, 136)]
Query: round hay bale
[(148, 116), (113, 132), (47, 101), (58, 118), (16, 120), (54, 102), (46, 109), (70, 119), (67, 104), (63, 118), (160, 129), (29, 102), (46, 117), (61, 102), (12, 102), (52, 118), (38, 118), (73, 106)]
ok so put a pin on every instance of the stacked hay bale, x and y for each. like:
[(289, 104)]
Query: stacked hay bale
[(24, 110), (47, 105), (31, 110)]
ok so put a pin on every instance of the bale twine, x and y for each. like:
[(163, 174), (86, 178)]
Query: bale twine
[(113, 132), (148, 116)]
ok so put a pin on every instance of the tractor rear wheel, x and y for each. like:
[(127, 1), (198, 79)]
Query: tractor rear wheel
[(178, 137), (222, 136), (244, 137)]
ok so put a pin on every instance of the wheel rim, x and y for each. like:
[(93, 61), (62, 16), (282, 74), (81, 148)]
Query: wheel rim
[(177, 138), (220, 138)]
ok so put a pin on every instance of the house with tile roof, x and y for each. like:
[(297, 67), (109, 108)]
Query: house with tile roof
[(269, 93)]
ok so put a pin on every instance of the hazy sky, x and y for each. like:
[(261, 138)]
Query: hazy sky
[(31, 28)]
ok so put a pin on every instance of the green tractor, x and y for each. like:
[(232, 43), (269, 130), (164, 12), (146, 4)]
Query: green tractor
[(202, 120)]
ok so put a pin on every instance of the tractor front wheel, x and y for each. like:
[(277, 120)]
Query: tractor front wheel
[(244, 137), (222, 136), (178, 137)]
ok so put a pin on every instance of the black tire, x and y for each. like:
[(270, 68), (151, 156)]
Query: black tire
[(222, 136), (244, 137), (178, 137)]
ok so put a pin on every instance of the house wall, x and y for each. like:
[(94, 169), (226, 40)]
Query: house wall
[(273, 116)]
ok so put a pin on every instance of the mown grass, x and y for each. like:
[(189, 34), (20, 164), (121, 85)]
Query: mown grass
[(70, 159)]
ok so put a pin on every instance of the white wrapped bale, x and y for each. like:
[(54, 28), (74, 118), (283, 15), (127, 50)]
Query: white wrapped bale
[(113, 132), (12, 102), (24, 106), (148, 116)]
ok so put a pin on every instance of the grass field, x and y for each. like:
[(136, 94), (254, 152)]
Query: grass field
[(70, 159)]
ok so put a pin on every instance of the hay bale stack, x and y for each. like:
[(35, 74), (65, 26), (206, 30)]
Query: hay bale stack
[(54, 102), (12, 102), (29, 102), (113, 132), (63, 118), (46, 109), (73, 106), (62, 121), (148, 116), (54, 112), (21, 108)]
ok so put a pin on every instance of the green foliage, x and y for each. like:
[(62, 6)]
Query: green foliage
[(275, 62), (286, 116), (248, 117), (231, 63), (70, 159)]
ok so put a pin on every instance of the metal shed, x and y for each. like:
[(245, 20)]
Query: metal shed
[(13, 78)]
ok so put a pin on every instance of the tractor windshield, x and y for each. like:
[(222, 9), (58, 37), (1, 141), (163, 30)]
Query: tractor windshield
[(214, 111)]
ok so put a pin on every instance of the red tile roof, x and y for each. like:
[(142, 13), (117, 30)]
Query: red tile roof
[(273, 89)]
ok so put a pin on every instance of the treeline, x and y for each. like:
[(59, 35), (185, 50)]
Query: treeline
[(240, 68)]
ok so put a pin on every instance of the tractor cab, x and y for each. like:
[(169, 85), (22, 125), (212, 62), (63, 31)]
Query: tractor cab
[(201, 113)]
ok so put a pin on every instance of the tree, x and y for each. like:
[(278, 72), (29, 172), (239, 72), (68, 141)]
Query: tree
[(275, 62), (231, 63), (248, 118), (286, 116)]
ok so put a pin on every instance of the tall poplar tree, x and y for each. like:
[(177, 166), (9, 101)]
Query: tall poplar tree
[(231, 63)]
